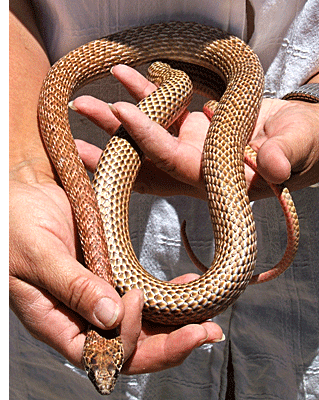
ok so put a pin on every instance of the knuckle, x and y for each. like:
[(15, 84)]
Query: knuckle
[(82, 291)]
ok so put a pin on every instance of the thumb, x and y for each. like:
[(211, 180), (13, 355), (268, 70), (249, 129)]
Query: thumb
[(87, 294), (273, 161), (287, 139), (89, 154), (53, 269)]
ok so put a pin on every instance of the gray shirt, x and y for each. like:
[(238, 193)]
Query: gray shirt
[(272, 330)]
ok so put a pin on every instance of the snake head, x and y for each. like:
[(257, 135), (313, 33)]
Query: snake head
[(103, 359)]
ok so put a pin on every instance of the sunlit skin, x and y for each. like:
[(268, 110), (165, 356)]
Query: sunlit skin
[(50, 290)]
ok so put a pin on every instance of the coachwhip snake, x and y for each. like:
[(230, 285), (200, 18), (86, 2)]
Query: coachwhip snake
[(108, 251)]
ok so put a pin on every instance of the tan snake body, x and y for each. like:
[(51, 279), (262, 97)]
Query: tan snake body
[(223, 169)]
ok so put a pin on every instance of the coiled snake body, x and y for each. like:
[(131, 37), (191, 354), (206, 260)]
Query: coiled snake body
[(108, 251)]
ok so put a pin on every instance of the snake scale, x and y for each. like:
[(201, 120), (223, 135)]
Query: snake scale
[(106, 245)]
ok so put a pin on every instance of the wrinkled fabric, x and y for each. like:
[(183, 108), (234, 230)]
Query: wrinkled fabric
[(66, 27), (272, 330)]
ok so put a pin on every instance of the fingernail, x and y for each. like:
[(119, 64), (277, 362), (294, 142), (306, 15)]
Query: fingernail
[(72, 106), (204, 341), (220, 340), (106, 311), (289, 176), (114, 110), (111, 70)]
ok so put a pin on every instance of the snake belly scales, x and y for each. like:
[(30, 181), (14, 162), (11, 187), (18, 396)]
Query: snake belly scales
[(106, 244)]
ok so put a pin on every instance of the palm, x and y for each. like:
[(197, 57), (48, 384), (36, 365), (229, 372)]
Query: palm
[(54, 285), (279, 127), (173, 166)]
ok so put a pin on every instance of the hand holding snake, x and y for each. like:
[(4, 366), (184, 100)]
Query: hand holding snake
[(98, 112), (281, 126), (55, 288), (46, 199)]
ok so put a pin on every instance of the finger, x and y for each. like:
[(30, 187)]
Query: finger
[(273, 161), (52, 265), (131, 324), (185, 278), (257, 187), (175, 156), (49, 320), (161, 351), (292, 148), (89, 154), (80, 290), (286, 140), (96, 111), (155, 142), (135, 83), (152, 180)]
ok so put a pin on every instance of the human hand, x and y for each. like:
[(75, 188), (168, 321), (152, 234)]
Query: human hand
[(160, 347), (51, 291), (54, 295), (286, 139)]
